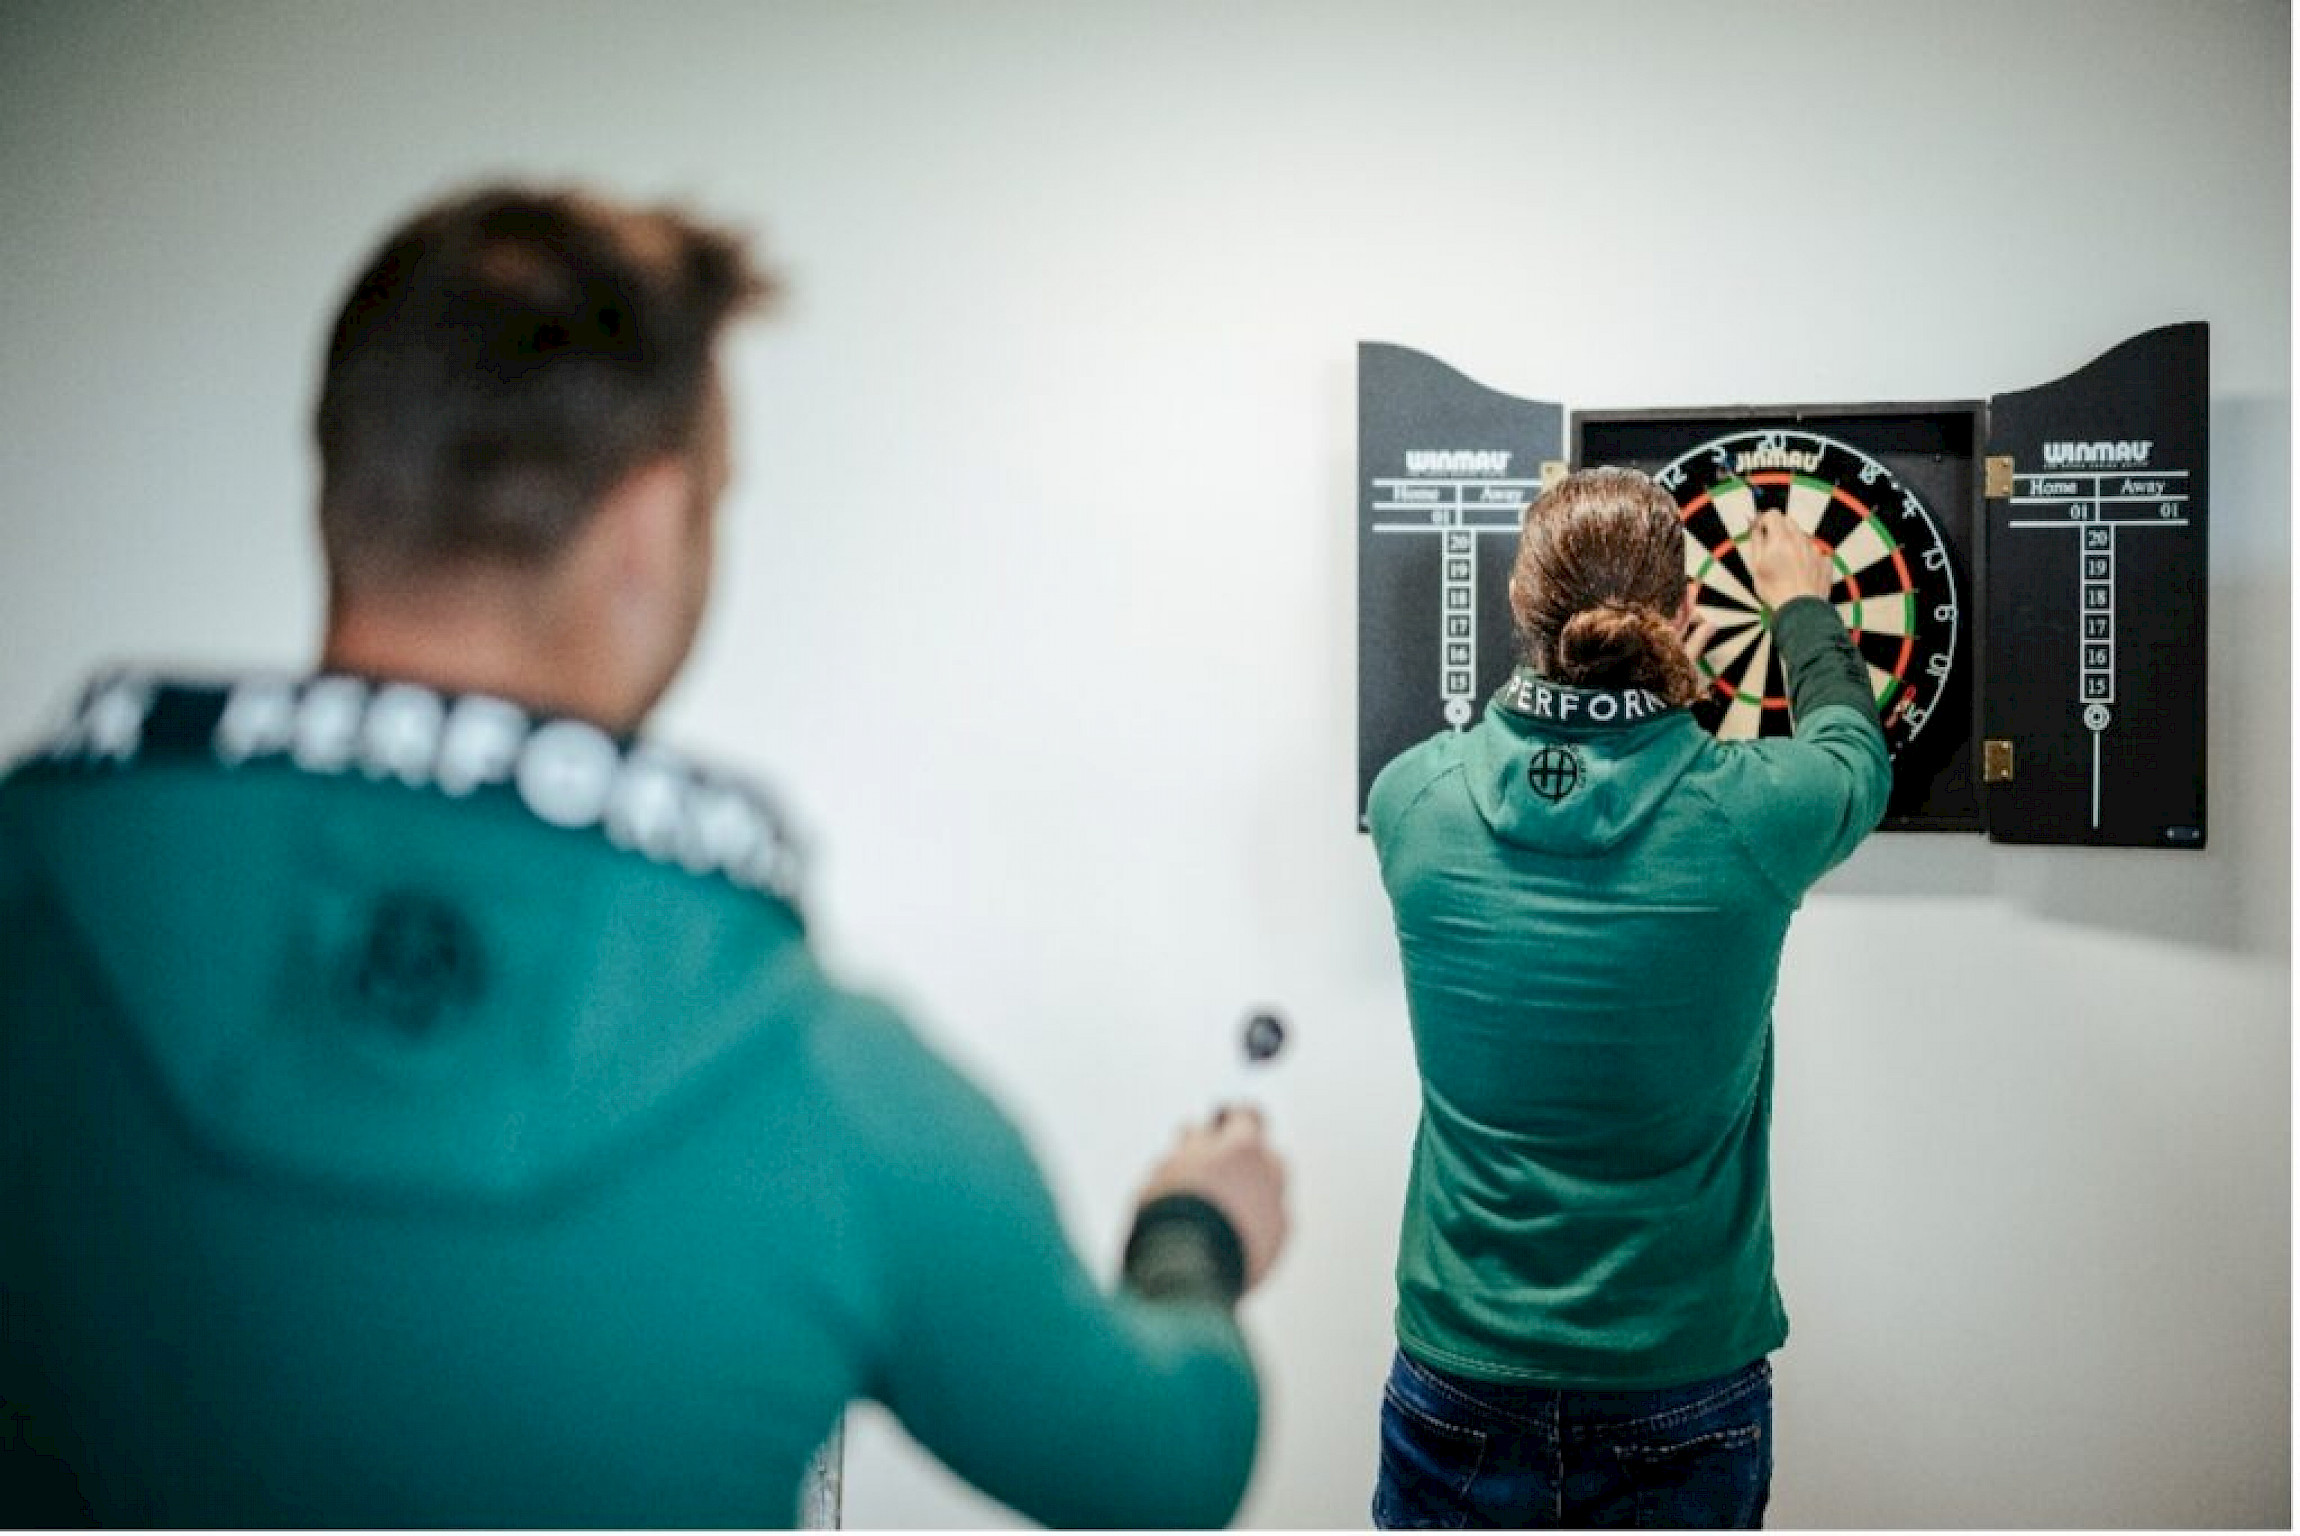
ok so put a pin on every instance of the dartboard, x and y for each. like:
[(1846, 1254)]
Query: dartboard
[(1895, 588)]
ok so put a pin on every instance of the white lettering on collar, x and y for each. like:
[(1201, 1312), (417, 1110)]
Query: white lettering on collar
[(1539, 700), (568, 773)]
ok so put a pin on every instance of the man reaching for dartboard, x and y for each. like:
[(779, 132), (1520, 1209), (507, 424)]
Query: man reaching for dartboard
[(1591, 895)]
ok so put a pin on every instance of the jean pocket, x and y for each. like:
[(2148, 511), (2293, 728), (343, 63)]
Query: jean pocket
[(1710, 1477), (1428, 1464)]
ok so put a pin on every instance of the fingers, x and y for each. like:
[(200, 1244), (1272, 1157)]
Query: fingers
[(1231, 1128), (1694, 630), (1236, 1133), (1785, 561), (1776, 529), (1231, 1116)]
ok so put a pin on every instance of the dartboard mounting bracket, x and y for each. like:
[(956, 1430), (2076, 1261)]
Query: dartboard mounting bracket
[(2023, 575)]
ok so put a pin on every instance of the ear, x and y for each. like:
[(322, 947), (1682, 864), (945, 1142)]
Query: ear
[(648, 520)]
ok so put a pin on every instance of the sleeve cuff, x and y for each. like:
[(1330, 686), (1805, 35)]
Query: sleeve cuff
[(1819, 660), (1184, 1249)]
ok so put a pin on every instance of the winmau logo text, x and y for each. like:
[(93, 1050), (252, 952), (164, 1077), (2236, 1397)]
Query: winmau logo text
[(2125, 453)]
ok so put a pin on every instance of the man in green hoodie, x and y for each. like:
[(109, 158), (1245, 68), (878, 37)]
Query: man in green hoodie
[(422, 1105), (1591, 895)]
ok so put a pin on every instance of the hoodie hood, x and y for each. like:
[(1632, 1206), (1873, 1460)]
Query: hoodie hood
[(1574, 771), (371, 937)]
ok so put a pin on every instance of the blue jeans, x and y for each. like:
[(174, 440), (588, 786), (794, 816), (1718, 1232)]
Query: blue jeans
[(1461, 1453)]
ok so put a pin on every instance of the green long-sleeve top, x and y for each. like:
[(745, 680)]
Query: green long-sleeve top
[(1591, 895), (418, 1112)]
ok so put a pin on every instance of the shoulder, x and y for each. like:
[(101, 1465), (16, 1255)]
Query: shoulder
[(1797, 806), (1765, 771), (914, 1111), (1409, 779), (1752, 783), (940, 1174)]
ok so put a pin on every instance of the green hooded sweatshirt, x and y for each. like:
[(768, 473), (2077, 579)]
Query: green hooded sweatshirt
[(1591, 895), (422, 1113)]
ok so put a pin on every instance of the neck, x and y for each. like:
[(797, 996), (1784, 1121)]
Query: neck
[(509, 639)]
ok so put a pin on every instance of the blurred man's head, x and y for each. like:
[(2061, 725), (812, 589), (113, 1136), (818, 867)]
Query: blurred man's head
[(522, 432)]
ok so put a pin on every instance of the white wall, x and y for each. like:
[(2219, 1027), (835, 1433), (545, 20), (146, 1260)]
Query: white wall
[(1039, 601)]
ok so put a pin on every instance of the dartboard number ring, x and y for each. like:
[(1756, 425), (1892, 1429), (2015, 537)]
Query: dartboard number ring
[(1895, 582)]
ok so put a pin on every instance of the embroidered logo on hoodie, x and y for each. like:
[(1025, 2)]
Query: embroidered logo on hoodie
[(418, 960), (1554, 772)]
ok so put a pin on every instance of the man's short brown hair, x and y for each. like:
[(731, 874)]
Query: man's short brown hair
[(506, 358)]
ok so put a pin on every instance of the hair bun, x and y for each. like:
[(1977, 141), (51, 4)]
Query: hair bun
[(1615, 645)]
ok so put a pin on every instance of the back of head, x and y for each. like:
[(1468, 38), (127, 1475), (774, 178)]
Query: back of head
[(1599, 579), (505, 359)]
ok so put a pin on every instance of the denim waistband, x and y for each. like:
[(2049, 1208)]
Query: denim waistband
[(1562, 1410)]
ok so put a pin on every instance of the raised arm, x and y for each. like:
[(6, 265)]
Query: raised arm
[(1828, 787)]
